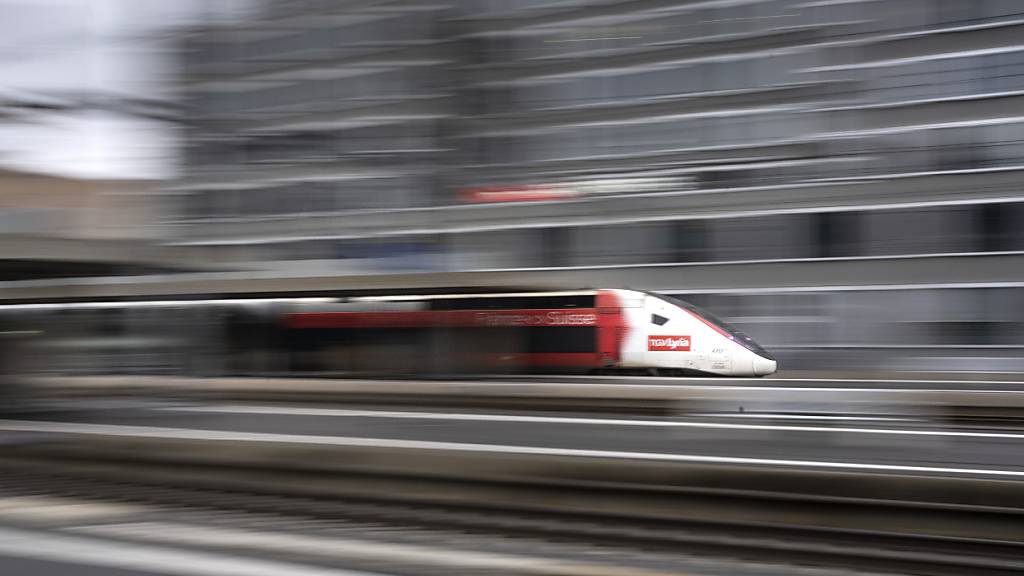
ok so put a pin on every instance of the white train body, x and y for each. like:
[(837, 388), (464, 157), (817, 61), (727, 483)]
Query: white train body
[(669, 335)]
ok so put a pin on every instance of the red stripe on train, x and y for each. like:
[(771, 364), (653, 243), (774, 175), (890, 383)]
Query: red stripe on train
[(542, 359), (445, 318)]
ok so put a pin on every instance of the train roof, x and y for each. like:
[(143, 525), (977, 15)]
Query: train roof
[(460, 296), (242, 301)]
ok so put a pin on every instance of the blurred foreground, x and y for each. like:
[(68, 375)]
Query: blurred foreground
[(525, 476)]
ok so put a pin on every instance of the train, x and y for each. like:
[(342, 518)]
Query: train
[(594, 331)]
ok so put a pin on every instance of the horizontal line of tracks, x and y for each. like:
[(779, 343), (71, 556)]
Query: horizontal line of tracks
[(951, 527)]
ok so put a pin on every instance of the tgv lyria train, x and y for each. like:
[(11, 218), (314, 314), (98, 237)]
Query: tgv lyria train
[(602, 331), (608, 330)]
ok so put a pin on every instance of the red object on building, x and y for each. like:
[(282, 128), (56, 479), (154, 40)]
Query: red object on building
[(523, 193)]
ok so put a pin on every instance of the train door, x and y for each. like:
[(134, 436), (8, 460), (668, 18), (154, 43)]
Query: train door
[(710, 354), (720, 359)]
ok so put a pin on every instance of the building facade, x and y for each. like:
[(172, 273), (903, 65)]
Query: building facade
[(768, 136), (60, 226)]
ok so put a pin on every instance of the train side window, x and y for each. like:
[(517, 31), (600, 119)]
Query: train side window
[(659, 320)]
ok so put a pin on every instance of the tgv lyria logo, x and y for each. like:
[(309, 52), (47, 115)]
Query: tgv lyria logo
[(668, 343)]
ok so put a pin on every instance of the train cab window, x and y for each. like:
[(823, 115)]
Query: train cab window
[(659, 320)]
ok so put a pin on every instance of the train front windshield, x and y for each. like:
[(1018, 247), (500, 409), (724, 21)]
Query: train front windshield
[(737, 335)]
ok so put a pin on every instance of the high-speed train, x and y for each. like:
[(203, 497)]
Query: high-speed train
[(608, 330), (590, 331)]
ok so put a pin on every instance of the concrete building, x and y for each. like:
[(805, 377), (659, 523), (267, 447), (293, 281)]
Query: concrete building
[(371, 135), (55, 226)]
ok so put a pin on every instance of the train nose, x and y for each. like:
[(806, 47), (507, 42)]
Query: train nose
[(763, 366)]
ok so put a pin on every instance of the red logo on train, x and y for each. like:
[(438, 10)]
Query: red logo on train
[(668, 343)]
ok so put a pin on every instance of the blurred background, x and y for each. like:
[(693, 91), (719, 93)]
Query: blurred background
[(838, 178)]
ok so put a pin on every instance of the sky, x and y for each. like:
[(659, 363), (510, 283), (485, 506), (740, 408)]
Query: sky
[(119, 47)]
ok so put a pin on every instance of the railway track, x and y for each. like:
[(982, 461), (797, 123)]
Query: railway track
[(926, 538), (940, 400)]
